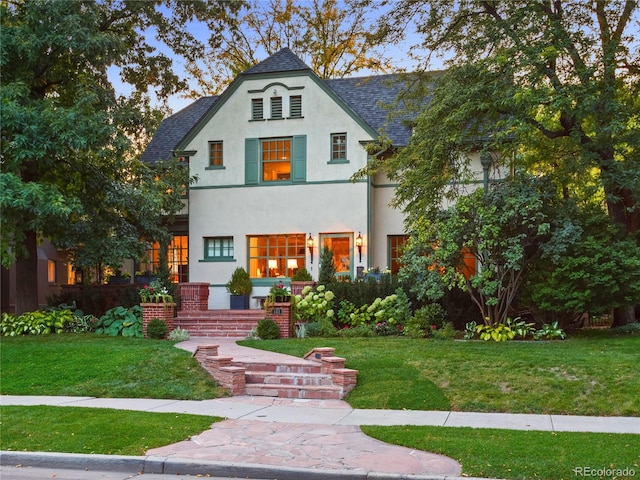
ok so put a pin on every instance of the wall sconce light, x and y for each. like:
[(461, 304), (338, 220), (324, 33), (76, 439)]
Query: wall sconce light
[(310, 246), (359, 245)]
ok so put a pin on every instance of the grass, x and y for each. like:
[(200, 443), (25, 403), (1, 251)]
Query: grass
[(73, 430), (101, 366), (592, 374), (521, 454)]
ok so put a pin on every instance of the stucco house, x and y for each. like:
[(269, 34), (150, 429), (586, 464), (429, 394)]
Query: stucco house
[(274, 155)]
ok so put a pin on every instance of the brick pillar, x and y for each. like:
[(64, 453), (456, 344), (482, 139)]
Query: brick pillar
[(194, 297), (163, 311), (281, 314), (297, 287)]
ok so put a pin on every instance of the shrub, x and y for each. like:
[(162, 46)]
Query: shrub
[(302, 275), (240, 282), (268, 329), (121, 321), (631, 328), (424, 319), (447, 332), (327, 272), (156, 329), (314, 305), (179, 335), (36, 323), (321, 328), (356, 332)]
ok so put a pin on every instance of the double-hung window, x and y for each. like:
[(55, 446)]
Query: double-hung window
[(339, 147), (215, 154), (218, 248), (276, 159)]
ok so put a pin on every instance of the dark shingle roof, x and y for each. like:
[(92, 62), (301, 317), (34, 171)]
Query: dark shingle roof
[(282, 61), (174, 128), (371, 97)]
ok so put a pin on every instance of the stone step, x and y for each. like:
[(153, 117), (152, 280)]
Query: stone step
[(280, 378), (284, 368), (325, 392)]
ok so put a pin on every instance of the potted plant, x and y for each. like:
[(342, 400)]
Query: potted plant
[(240, 288), (144, 277), (279, 293), (120, 278)]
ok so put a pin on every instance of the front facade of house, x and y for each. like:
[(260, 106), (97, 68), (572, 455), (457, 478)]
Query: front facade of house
[(274, 156)]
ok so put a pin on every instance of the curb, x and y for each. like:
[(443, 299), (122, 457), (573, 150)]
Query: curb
[(176, 466)]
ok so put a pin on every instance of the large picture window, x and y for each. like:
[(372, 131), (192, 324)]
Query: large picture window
[(276, 256), (341, 244), (177, 256), (276, 159)]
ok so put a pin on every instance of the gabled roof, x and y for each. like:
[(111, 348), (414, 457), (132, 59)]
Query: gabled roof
[(366, 97), (282, 61), (175, 128)]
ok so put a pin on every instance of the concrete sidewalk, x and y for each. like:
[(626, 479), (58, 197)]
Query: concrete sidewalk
[(337, 412)]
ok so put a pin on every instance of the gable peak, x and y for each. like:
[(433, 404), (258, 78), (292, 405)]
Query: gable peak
[(283, 60)]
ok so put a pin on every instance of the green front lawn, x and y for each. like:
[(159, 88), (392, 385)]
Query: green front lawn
[(94, 430), (588, 374)]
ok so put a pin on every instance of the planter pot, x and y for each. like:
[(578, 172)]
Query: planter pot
[(119, 280), (145, 279), (283, 299), (239, 302)]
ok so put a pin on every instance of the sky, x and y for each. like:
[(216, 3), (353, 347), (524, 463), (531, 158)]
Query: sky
[(398, 54)]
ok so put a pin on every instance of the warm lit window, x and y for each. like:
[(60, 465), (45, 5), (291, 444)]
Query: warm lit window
[(338, 147), (215, 154), (257, 110), (276, 107), (273, 256), (218, 248), (177, 259), (396, 245), (295, 106), (276, 159), (51, 271)]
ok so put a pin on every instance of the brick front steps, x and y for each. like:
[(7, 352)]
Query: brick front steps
[(219, 323), (322, 376)]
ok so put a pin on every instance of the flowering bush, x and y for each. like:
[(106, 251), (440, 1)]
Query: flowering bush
[(155, 292), (314, 305), (279, 290), (389, 313)]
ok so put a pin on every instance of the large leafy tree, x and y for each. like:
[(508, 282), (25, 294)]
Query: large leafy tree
[(332, 36), (69, 170), (553, 85)]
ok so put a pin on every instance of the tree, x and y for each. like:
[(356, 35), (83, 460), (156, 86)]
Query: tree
[(552, 85), (505, 229), (333, 37), (67, 138)]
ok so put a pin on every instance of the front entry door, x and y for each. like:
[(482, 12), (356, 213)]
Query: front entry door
[(342, 246)]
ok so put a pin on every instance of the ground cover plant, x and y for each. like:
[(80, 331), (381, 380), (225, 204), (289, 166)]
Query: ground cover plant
[(591, 373), (102, 366), (531, 454), (73, 430)]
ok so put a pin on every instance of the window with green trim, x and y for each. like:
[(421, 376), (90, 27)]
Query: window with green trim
[(218, 248), (215, 153), (338, 147), (276, 160), (276, 256)]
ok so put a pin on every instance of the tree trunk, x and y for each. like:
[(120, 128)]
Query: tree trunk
[(27, 276), (623, 316)]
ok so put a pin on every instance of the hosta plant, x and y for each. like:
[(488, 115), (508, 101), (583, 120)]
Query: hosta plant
[(497, 332), (121, 321)]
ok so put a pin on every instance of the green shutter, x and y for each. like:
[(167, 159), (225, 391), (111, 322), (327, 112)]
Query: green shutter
[(251, 161), (299, 158)]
